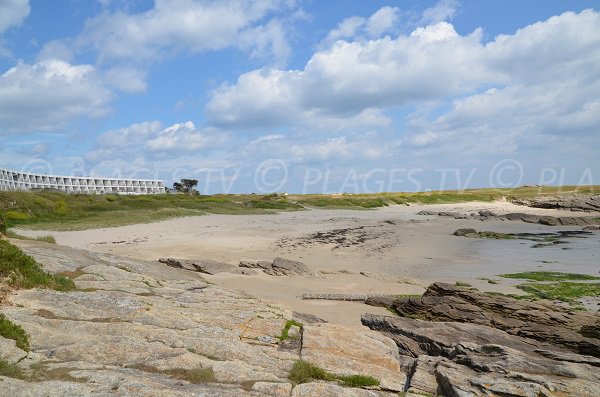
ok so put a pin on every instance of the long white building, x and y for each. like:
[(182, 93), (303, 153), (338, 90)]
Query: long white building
[(14, 180)]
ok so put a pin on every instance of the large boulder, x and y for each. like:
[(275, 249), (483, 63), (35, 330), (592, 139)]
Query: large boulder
[(465, 343), (542, 321)]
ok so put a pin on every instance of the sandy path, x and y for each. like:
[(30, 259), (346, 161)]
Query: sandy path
[(387, 250)]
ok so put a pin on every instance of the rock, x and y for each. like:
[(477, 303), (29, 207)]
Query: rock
[(591, 228), (273, 389), (380, 300), (487, 214), (278, 267), (466, 233), (470, 344), (256, 263), (9, 351), (307, 318), (203, 266), (573, 202), (294, 332), (549, 221), (542, 321), (344, 351), (287, 267), (319, 389), (423, 380)]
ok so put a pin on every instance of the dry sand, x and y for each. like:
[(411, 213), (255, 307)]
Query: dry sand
[(388, 250)]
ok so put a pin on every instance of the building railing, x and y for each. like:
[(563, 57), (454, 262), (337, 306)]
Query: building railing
[(15, 180)]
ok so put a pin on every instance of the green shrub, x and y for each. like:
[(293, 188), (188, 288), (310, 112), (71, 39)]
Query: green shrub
[(16, 216), (61, 208), (22, 271), (10, 330)]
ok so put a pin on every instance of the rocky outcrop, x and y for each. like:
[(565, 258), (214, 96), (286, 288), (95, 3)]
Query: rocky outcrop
[(140, 328), (572, 202), (278, 267), (542, 321), (204, 266), (485, 215), (467, 343)]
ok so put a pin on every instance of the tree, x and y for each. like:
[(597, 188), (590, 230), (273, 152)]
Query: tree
[(186, 186)]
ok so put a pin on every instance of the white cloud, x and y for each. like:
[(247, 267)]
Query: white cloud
[(12, 13), (183, 137), (47, 95), (127, 79), (174, 26), (351, 77), (382, 21), (546, 77), (444, 10), (150, 141)]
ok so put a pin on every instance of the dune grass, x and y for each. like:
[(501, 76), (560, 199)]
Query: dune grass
[(22, 271), (52, 210), (47, 238)]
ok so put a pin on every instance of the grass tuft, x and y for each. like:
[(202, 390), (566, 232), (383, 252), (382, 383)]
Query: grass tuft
[(286, 329), (22, 271), (358, 381), (10, 330), (304, 372)]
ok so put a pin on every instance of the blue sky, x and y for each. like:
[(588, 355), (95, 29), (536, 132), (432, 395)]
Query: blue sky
[(303, 96)]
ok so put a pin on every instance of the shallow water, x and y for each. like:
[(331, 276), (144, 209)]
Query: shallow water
[(576, 254)]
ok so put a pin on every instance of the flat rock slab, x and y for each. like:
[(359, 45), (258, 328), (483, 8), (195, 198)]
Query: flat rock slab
[(344, 351)]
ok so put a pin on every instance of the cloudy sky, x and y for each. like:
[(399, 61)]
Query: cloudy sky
[(304, 95)]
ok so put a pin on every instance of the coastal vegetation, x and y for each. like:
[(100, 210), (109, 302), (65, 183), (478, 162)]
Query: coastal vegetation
[(303, 372), (566, 287), (51, 210), (22, 271), (10, 330)]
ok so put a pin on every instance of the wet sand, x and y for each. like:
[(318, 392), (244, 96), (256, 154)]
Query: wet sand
[(390, 250)]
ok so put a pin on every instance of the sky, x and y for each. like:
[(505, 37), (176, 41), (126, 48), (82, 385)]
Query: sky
[(303, 96)]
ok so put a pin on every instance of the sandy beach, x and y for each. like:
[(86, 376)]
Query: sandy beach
[(391, 250)]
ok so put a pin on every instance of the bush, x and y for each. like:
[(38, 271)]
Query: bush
[(22, 271), (16, 216), (61, 208), (10, 330)]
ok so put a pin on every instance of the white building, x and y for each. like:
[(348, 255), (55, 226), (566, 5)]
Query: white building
[(13, 180)]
